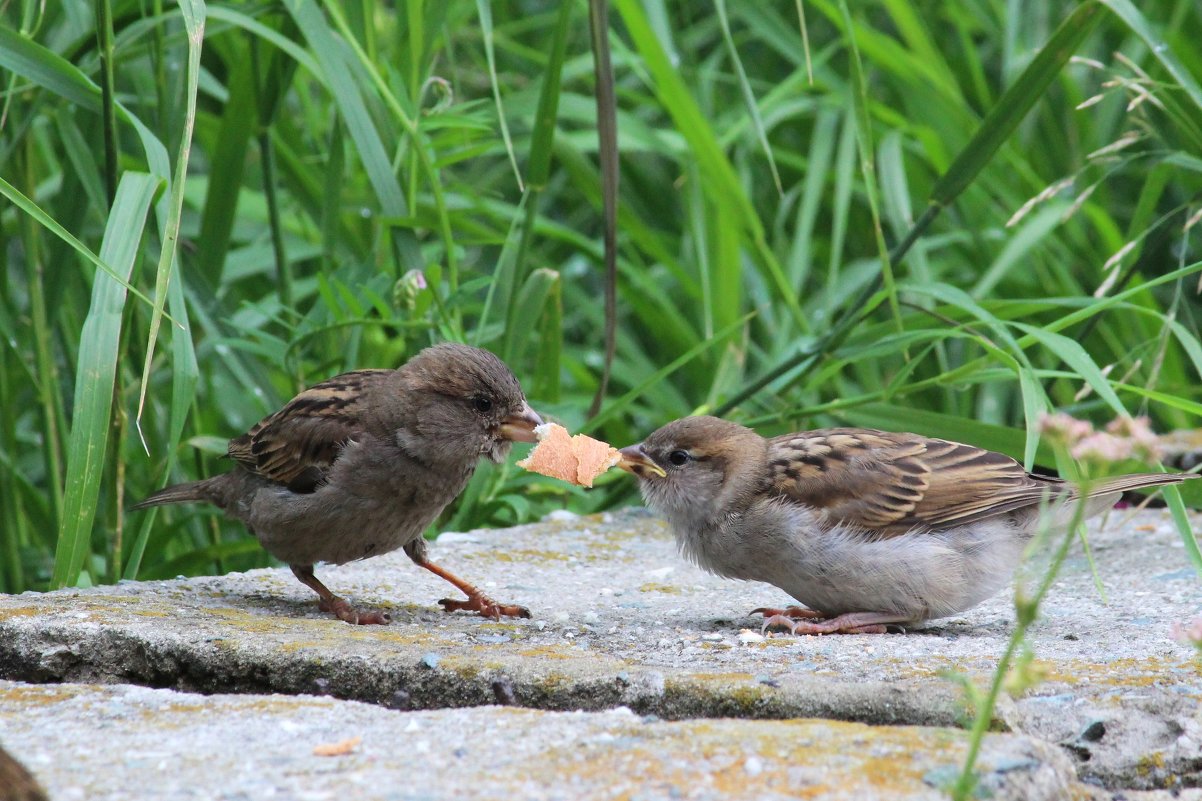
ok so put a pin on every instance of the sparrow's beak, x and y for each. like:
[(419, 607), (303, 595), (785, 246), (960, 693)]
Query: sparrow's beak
[(519, 426), (635, 460)]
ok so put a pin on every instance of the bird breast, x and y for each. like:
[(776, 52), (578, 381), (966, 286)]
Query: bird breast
[(837, 569), (377, 499)]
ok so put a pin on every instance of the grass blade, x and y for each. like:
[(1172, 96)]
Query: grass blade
[(484, 9), (753, 109), (96, 375), (193, 12), (607, 153), (1016, 102)]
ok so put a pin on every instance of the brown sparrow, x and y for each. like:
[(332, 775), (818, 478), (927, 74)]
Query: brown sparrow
[(360, 464), (866, 528)]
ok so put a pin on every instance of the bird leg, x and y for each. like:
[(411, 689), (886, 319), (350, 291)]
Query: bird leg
[(850, 623), (476, 601), (339, 607)]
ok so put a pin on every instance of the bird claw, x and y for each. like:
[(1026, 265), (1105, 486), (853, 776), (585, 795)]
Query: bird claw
[(776, 619), (342, 609), (843, 624), (484, 606)]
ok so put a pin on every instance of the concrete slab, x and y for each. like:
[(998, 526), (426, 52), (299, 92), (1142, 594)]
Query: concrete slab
[(620, 619), (95, 743)]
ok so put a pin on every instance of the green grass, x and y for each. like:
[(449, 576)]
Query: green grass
[(195, 228)]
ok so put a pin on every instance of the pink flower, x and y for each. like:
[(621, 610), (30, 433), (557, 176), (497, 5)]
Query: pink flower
[(1064, 428), (1145, 444), (1102, 447)]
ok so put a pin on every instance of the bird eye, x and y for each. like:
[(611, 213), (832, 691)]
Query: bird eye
[(678, 457), (482, 403)]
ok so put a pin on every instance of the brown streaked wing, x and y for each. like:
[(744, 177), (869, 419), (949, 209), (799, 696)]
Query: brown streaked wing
[(296, 445), (892, 483)]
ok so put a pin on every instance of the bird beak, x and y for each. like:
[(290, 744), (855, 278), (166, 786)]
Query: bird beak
[(635, 461), (519, 427)]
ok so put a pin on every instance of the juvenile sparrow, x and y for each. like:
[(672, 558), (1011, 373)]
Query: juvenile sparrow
[(360, 464), (866, 528)]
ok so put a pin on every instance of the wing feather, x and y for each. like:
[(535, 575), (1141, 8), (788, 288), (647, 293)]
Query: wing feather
[(297, 445), (893, 483)]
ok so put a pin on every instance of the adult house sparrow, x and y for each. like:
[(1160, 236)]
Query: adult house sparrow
[(360, 464), (866, 528)]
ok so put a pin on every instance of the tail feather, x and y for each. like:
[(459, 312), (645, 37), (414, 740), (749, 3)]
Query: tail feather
[(1137, 481), (188, 492), (1104, 494)]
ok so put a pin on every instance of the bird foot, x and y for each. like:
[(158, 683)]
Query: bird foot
[(342, 609), (852, 623), (485, 606)]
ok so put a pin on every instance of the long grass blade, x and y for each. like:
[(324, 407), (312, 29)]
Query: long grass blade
[(193, 12), (607, 152), (96, 374)]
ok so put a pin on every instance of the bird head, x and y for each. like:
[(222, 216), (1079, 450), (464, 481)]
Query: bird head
[(696, 465), (470, 404)]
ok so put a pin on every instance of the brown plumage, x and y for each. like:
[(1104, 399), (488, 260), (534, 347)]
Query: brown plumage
[(894, 483), (360, 464), (16, 784), (864, 527)]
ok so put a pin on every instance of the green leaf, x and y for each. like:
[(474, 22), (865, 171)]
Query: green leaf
[(95, 372), (1014, 104), (193, 12), (484, 10), (1076, 357)]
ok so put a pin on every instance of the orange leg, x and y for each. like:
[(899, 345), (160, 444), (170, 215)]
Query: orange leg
[(476, 601), (339, 607)]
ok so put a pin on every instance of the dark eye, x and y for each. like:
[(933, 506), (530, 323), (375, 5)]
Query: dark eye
[(678, 457), (482, 403)]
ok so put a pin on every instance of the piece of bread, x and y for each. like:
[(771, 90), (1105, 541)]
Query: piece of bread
[(577, 460)]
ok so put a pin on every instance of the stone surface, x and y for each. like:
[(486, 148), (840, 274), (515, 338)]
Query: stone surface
[(621, 620), (92, 743)]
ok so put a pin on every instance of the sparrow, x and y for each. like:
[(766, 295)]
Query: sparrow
[(360, 464), (865, 528)]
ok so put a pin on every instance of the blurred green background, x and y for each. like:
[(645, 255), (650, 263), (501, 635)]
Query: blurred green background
[(305, 188)]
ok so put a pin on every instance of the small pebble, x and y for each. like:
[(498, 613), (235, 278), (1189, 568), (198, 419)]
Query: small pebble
[(431, 660), (754, 766), (561, 516), (591, 618), (747, 637)]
